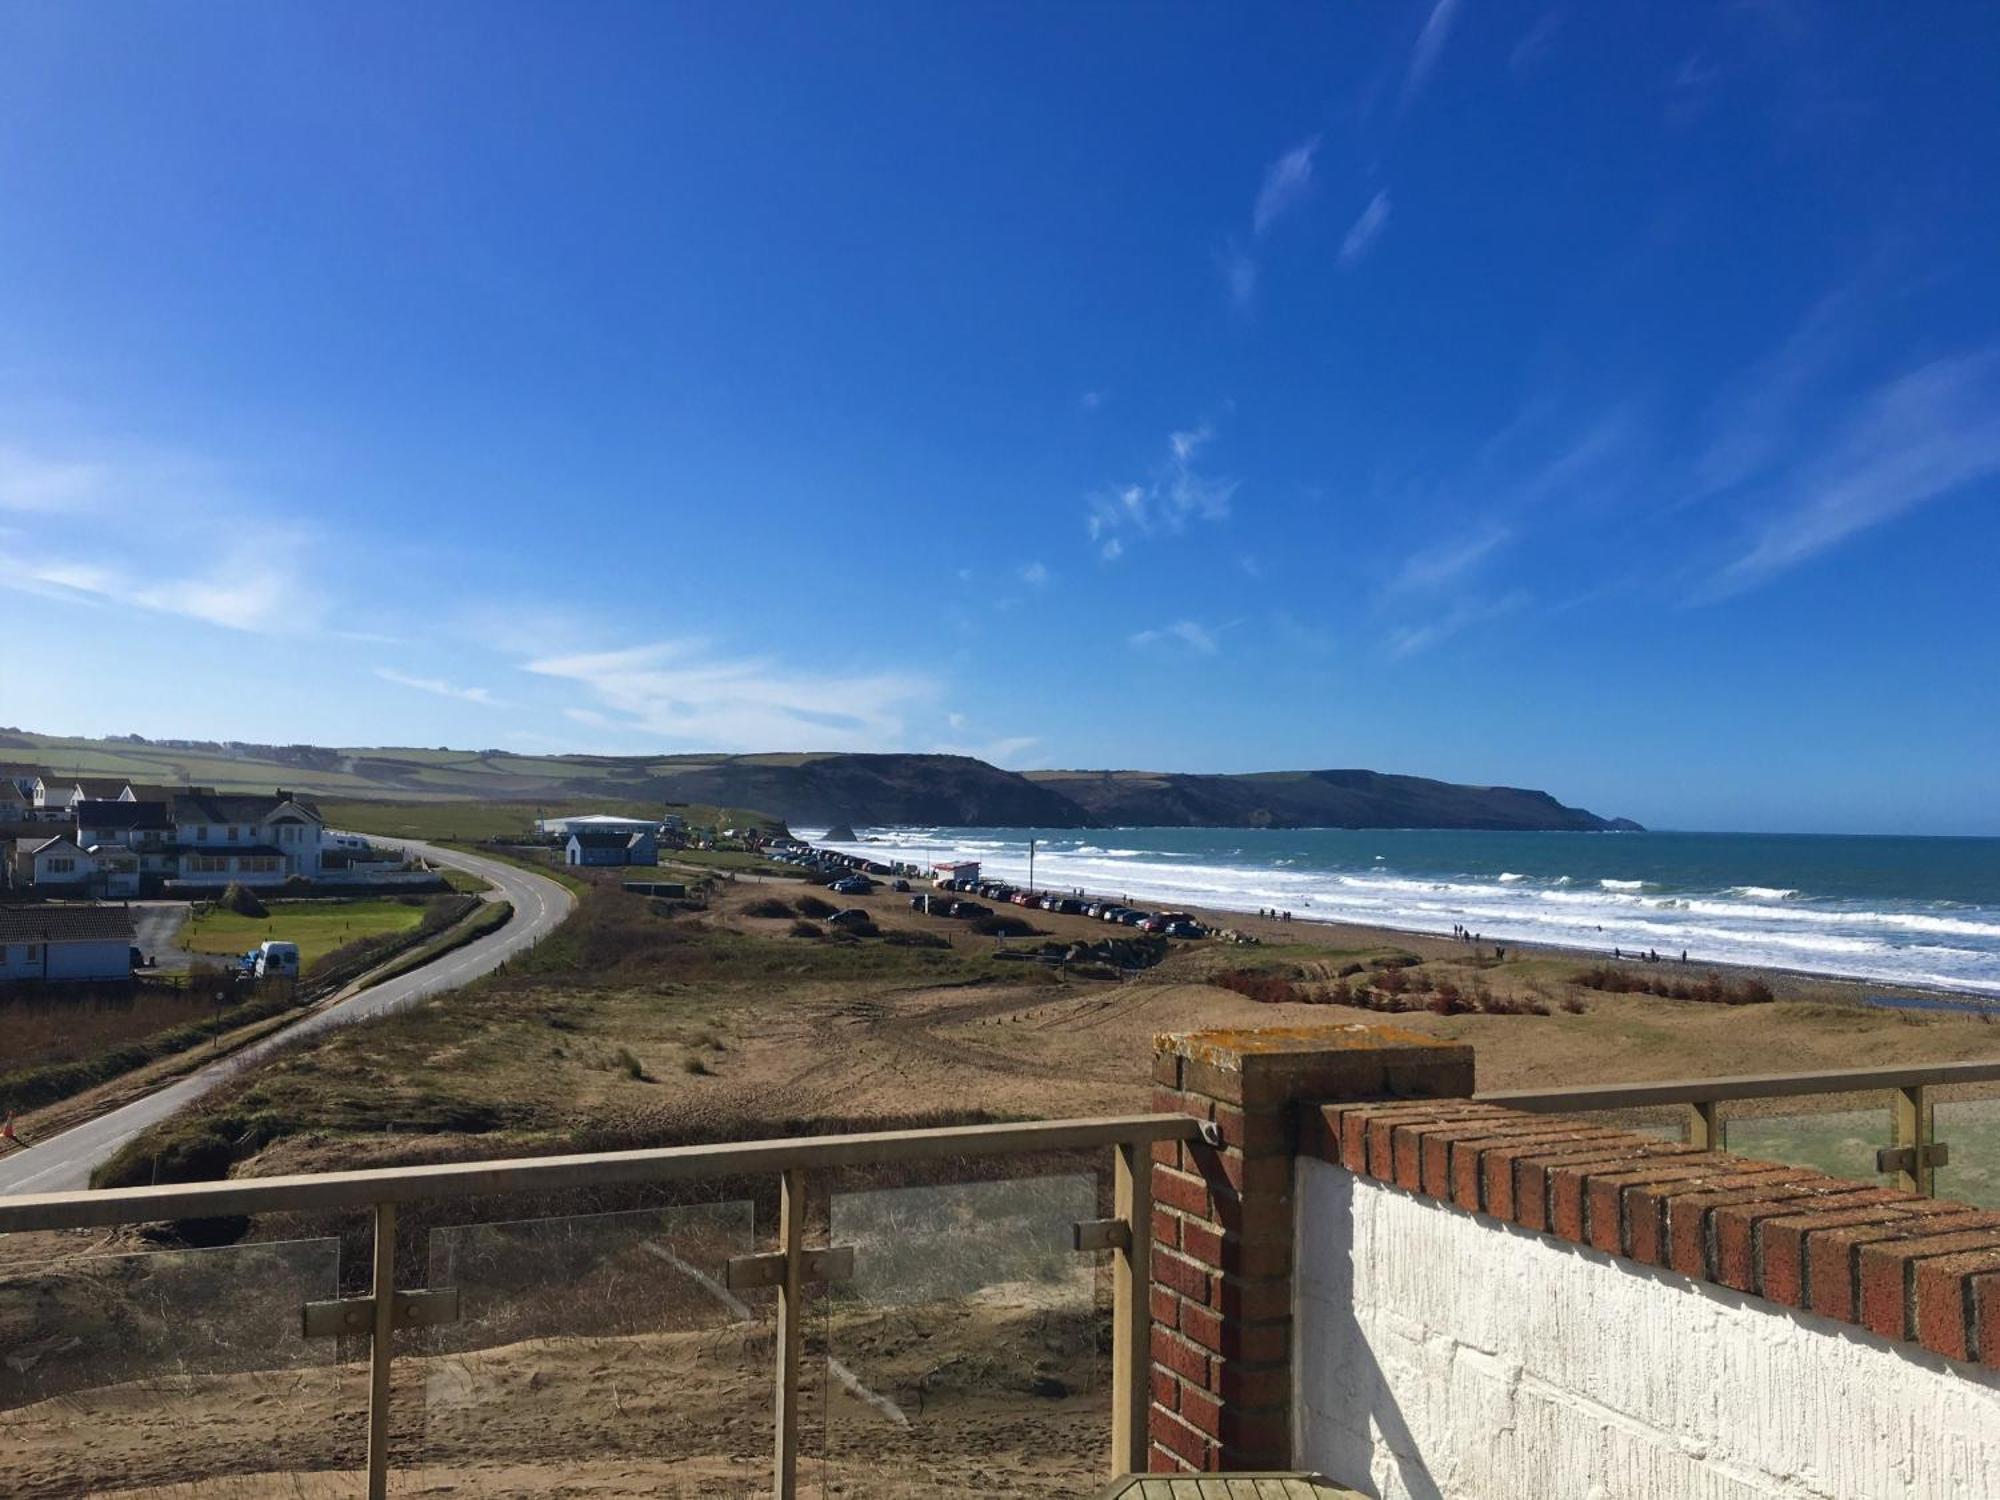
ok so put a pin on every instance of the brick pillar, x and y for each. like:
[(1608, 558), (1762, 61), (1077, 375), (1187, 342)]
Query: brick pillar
[(1221, 1289)]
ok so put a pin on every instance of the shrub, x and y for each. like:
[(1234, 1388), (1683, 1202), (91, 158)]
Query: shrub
[(1265, 989), (627, 1062), (1707, 990), (902, 939), (696, 1066), (1392, 981), (1348, 971), (243, 901), (769, 906), (1338, 993), (998, 925), (812, 906), (806, 930)]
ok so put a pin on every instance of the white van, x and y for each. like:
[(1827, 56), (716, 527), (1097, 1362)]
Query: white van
[(276, 961)]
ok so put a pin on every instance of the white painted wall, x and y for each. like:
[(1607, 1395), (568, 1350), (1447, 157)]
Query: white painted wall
[(1444, 1354), (76, 960)]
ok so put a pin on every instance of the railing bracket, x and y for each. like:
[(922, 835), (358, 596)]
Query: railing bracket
[(427, 1308), (1102, 1234), (1892, 1159), (830, 1263)]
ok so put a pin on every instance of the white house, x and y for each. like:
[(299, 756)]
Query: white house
[(50, 943), (255, 840), (55, 864), (598, 847), (60, 794), (955, 869)]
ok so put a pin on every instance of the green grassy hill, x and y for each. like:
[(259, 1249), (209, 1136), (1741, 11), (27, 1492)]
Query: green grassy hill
[(803, 788)]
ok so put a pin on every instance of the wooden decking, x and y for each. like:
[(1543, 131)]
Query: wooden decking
[(1228, 1487)]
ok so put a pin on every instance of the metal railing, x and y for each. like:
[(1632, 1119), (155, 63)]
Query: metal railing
[(1912, 1156), (789, 1268)]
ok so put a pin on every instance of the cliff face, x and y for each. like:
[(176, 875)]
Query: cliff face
[(1312, 799), (821, 790), (956, 790)]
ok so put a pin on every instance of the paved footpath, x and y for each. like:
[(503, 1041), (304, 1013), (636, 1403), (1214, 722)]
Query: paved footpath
[(63, 1163)]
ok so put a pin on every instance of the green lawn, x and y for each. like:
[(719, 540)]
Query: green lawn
[(318, 927)]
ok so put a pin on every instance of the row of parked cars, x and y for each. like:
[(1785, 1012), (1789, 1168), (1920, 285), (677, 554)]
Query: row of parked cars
[(1175, 924)]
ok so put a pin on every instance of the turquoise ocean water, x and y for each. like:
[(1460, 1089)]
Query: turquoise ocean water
[(1909, 910)]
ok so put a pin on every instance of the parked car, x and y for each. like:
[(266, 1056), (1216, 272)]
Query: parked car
[(969, 910), (1185, 930), (853, 885), (1113, 913), (1133, 917), (852, 917), (900, 886)]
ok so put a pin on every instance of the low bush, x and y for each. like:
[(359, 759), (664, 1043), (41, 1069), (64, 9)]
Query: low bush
[(1265, 989), (812, 906), (243, 901), (1706, 990), (1001, 925), (901, 939), (769, 906), (627, 1062), (806, 930)]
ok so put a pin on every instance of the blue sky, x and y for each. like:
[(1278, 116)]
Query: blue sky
[(1601, 397)]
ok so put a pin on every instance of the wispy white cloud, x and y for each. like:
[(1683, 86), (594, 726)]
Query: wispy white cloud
[(1438, 628), (1239, 275), (1755, 418), (681, 692), (1286, 182), (438, 687), (1195, 637), (1181, 492), (1034, 574), (36, 483), (1430, 46), (1285, 185), (1090, 400), (1918, 438), (1535, 43), (132, 520), (1449, 560), (261, 589), (1366, 229)]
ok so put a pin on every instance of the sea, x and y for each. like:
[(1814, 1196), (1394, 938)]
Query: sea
[(1907, 911)]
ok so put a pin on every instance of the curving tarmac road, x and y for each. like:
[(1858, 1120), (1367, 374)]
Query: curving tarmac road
[(63, 1163)]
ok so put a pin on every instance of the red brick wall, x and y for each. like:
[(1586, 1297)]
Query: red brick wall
[(1902, 1266), (1392, 1106), (1221, 1285)]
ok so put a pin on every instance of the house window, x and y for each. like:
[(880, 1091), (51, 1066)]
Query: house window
[(232, 833), (61, 866)]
